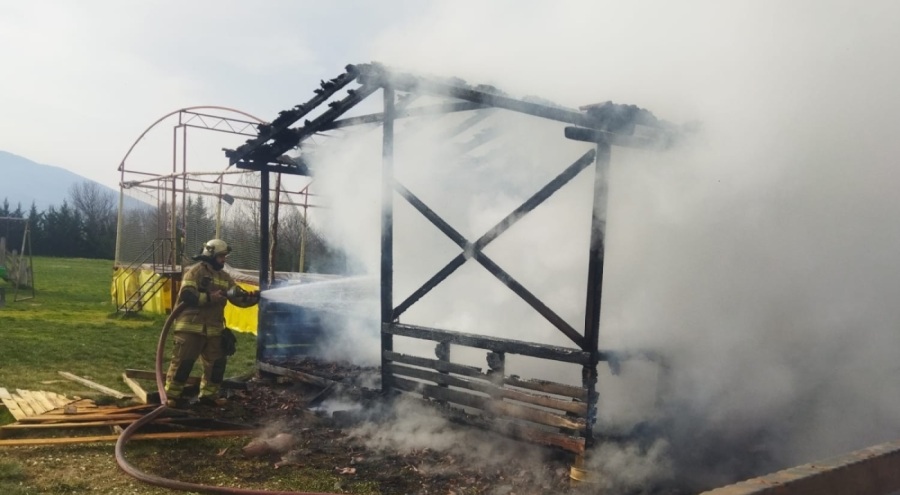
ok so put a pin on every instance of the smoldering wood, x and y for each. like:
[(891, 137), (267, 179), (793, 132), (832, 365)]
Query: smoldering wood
[(489, 405), (447, 367), (543, 386), (613, 127), (289, 117), (547, 387), (297, 375), (495, 392), (374, 74), (536, 199), (497, 344), (431, 283), (519, 431), (387, 229), (377, 118), (530, 204)]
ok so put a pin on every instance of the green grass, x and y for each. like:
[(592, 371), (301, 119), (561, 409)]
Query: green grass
[(72, 325)]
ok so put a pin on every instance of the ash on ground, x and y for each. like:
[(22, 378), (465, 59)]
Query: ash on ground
[(402, 443)]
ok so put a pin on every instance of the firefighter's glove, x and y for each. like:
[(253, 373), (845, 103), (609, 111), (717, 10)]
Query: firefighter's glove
[(189, 298), (229, 342)]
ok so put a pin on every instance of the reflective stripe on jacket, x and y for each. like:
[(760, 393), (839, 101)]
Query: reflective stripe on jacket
[(207, 316)]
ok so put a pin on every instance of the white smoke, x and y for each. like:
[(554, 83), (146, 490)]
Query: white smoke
[(760, 257)]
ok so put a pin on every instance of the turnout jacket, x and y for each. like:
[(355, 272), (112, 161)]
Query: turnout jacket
[(206, 316)]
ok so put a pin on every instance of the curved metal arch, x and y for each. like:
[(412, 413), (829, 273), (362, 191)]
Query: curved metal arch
[(185, 109)]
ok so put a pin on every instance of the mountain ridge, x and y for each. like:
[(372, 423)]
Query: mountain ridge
[(24, 181)]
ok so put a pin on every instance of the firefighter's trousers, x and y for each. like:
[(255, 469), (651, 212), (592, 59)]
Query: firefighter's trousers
[(188, 347)]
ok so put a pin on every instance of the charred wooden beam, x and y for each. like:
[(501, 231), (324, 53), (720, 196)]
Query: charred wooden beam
[(447, 367), (386, 267), (374, 73), (547, 387), (377, 118), (532, 300), (297, 375), (287, 118), (519, 431), (489, 405), (530, 204), (430, 214), (536, 199), (266, 154), (542, 386), (552, 352), (495, 392)]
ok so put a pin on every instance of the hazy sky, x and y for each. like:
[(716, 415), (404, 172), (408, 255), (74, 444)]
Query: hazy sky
[(83, 79)]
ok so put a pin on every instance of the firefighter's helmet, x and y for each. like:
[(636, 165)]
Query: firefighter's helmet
[(216, 247)]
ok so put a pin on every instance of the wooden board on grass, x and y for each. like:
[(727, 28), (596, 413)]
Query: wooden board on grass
[(11, 404), (139, 392), (94, 385)]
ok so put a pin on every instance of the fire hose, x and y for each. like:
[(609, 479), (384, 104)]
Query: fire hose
[(126, 435)]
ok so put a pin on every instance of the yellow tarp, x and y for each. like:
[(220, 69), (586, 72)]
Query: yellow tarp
[(126, 282)]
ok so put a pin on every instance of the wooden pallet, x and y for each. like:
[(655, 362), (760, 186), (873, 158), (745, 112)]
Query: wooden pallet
[(27, 403)]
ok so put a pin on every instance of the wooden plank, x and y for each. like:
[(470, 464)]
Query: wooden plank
[(140, 436), (81, 417), (520, 431), (496, 344), (297, 375), (58, 400), (489, 405), (32, 401), (579, 408), (4, 394), (96, 386), (459, 369), (151, 375), (24, 406), (548, 387), (14, 408), (42, 397), (139, 392), (87, 424)]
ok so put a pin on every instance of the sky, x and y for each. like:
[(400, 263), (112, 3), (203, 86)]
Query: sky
[(760, 256)]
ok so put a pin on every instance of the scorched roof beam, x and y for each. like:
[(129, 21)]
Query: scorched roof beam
[(375, 118), (412, 83), (288, 139), (287, 118)]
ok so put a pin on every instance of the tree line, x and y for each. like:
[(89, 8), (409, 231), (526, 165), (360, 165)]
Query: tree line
[(84, 226)]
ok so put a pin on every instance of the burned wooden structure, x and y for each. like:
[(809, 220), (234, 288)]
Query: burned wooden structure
[(557, 414)]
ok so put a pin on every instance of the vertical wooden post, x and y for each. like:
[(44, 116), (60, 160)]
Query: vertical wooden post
[(387, 233), (595, 284)]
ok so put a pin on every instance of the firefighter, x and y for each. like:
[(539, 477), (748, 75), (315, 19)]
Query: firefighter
[(205, 289)]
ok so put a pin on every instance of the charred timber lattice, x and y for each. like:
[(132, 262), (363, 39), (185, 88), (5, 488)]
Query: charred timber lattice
[(546, 412)]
